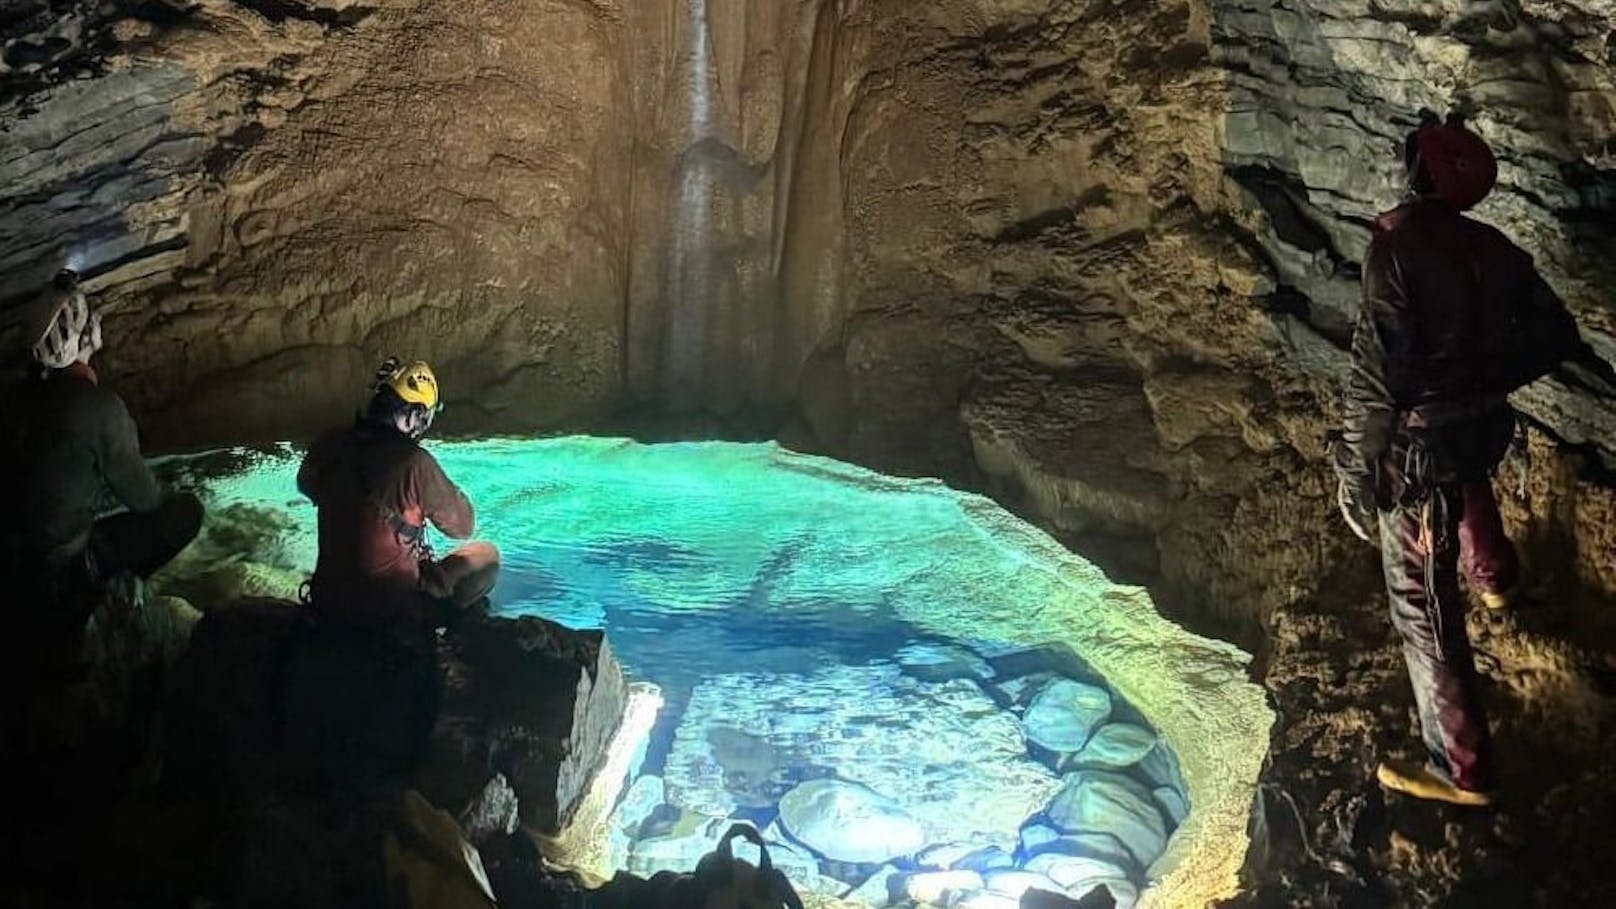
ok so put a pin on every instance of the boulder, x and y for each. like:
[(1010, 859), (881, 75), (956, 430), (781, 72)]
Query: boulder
[(1161, 768), (1021, 689), (1098, 801), (982, 899), (954, 759), (799, 866), (849, 822), (676, 845), (222, 726), (937, 886), (643, 797), (878, 890), (936, 661), (942, 856), (1117, 745), (1064, 714), (986, 859), (1077, 876), (1172, 802), (680, 843), (1102, 846), (529, 699), (1097, 898), (1014, 882), (493, 814), (221, 585)]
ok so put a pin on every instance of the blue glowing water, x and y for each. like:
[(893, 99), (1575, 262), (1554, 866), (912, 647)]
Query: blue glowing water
[(809, 621)]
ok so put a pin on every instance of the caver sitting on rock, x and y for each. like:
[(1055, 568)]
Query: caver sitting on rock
[(1454, 318), (376, 489), (74, 451)]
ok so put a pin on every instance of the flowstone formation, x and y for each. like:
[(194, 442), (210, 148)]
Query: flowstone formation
[(913, 694)]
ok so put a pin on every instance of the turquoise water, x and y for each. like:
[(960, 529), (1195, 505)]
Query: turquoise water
[(870, 653)]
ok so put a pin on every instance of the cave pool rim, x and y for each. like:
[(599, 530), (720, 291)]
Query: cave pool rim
[(1192, 690)]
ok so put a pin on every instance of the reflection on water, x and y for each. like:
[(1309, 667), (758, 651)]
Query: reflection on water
[(863, 667)]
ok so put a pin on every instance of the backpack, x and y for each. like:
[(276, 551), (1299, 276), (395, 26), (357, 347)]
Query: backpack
[(720, 881)]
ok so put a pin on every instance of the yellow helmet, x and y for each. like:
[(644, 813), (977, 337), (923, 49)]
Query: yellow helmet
[(413, 383)]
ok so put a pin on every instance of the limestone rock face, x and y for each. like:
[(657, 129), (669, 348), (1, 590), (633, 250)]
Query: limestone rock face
[(1099, 260), (530, 700)]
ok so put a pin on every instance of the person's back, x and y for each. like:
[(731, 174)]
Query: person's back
[(78, 455), (373, 487), (1460, 281), (376, 490)]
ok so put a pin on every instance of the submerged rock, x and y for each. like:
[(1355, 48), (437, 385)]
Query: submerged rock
[(988, 858), (983, 899), (1020, 690), (677, 845), (1102, 846), (1172, 804), (1014, 883), (1064, 714), (1117, 745), (878, 890), (1077, 876), (936, 886), (954, 759), (1160, 766), (849, 822), (936, 661), (1098, 801), (643, 797)]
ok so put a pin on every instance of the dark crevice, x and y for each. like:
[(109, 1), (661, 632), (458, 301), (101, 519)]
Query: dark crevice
[(281, 10), (1277, 193)]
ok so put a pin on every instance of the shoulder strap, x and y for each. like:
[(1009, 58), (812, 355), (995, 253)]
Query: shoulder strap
[(769, 885)]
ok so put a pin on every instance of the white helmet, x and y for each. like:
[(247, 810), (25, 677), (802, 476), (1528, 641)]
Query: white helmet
[(63, 329)]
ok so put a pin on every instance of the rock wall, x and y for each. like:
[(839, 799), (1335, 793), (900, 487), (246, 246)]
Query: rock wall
[(1098, 257)]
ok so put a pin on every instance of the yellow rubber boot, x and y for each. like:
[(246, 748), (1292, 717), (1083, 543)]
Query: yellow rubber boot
[(1422, 782)]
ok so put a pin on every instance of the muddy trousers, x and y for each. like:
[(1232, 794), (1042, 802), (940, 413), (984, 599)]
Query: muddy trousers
[(1420, 555)]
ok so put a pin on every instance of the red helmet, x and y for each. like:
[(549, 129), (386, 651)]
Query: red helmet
[(1461, 167)]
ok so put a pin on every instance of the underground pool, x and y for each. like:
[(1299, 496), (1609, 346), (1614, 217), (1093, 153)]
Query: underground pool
[(912, 693)]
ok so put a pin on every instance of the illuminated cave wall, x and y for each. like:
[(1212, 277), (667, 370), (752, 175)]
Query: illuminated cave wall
[(1101, 252), (1094, 256)]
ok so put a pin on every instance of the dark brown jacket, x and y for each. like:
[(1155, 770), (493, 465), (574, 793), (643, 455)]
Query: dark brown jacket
[(77, 455), (375, 490), (1438, 292)]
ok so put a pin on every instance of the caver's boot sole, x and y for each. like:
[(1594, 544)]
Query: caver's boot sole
[(1423, 783)]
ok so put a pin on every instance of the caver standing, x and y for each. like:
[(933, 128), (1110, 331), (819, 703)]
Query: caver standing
[(1454, 318)]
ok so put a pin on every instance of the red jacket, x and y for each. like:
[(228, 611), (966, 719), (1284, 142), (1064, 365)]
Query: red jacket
[(375, 490)]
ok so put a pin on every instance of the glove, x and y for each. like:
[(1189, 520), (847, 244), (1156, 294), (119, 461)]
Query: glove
[(1356, 499)]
